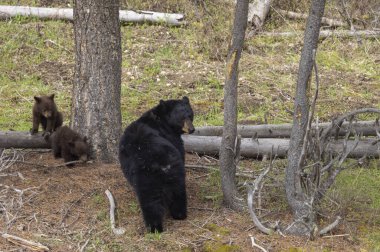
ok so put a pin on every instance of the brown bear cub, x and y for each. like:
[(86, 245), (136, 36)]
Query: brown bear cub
[(68, 144), (45, 112)]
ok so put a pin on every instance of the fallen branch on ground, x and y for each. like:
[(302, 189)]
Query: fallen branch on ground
[(116, 231), (67, 14), (35, 246), (325, 21), (326, 34)]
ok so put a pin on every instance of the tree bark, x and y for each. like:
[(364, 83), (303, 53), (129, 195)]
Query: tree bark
[(227, 149), (303, 212), (97, 81), (67, 14), (365, 128)]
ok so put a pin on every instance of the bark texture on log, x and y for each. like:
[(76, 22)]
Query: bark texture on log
[(327, 33), (97, 81), (325, 21), (67, 14), (256, 148), (209, 145), (257, 13), (366, 128), (22, 140)]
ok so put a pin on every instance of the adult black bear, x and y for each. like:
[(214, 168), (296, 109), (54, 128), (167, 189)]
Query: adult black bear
[(68, 144), (45, 112), (152, 157)]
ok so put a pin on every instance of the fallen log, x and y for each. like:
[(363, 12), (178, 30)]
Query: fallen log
[(256, 148), (22, 140), (67, 14), (325, 21), (251, 148), (257, 13), (326, 33), (366, 128)]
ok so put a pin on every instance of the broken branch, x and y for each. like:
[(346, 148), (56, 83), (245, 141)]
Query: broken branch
[(116, 231)]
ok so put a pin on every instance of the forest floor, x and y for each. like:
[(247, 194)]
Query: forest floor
[(67, 209)]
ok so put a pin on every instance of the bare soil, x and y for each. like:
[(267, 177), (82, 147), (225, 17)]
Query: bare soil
[(66, 209)]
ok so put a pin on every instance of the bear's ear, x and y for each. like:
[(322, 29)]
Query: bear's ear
[(37, 99), (185, 99), (51, 97), (162, 106)]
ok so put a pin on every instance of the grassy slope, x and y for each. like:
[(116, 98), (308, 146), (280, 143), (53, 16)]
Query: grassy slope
[(162, 62)]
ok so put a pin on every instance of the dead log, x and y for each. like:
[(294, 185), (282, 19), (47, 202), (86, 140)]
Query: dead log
[(326, 34), (210, 145), (325, 21), (256, 148), (21, 140), (67, 14), (366, 128), (257, 13)]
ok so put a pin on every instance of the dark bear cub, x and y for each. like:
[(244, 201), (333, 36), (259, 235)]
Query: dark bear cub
[(68, 144), (152, 157), (45, 112)]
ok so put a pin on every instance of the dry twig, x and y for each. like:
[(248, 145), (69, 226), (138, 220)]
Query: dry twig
[(35, 246), (116, 231)]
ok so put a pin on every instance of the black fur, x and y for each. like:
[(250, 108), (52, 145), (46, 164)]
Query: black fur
[(68, 144), (152, 158)]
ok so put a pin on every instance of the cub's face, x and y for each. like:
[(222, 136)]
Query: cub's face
[(80, 149), (45, 105), (180, 115)]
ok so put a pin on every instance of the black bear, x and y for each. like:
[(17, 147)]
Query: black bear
[(152, 157), (45, 112), (68, 144)]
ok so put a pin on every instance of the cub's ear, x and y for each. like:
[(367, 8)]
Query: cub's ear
[(52, 97), (185, 99), (37, 99)]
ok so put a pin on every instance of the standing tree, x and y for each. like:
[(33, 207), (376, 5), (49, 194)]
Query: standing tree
[(229, 146), (300, 203), (97, 84)]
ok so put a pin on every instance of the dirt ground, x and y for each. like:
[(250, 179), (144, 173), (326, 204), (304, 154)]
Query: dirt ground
[(66, 209)]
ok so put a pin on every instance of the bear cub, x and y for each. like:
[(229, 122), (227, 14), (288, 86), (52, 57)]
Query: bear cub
[(45, 112), (152, 158), (68, 144)]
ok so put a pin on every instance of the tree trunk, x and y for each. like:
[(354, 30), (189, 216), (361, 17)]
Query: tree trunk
[(97, 82), (227, 149), (299, 202)]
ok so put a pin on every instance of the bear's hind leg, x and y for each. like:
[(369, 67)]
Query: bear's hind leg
[(176, 200), (151, 203)]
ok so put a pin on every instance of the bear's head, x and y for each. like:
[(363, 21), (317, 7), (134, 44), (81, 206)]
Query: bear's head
[(79, 148), (45, 105), (178, 114)]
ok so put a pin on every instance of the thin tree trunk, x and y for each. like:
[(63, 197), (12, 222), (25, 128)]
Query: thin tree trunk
[(227, 149), (303, 213), (97, 84)]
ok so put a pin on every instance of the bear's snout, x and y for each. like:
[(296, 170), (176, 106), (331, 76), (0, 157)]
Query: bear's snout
[(188, 126)]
